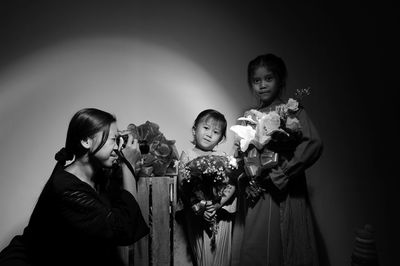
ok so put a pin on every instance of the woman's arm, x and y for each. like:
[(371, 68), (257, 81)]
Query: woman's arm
[(120, 221), (132, 154), (129, 181)]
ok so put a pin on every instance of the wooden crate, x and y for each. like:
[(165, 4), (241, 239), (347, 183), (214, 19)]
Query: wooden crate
[(157, 200)]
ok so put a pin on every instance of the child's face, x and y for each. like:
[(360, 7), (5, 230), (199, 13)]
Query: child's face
[(207, 134), (264, 84)]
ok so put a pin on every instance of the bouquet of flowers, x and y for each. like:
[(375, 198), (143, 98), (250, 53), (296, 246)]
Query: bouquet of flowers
[(159, 155), (262, 136), (205, 179)]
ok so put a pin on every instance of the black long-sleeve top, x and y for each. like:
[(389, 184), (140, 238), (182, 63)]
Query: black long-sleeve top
[(72, 224)]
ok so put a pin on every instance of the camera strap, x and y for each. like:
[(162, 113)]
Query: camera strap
[(130, 167)]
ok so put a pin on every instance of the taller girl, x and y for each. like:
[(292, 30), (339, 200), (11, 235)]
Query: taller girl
[(278, 229)]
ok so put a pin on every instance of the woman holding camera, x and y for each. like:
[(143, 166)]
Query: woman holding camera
[(75, 222)]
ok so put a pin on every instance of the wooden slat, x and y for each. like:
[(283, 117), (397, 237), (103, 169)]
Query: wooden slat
[(161, 241), (124, 254), (181, 251), (140, 249), (173, 198)]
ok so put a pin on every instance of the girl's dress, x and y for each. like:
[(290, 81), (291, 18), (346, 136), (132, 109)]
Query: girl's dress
[(72, 224), (199, 239), (278, 228)]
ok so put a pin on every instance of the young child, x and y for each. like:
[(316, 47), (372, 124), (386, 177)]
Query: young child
[(277, 229), (209, 130)]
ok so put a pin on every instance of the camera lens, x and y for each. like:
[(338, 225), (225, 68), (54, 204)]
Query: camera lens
[(144, 146)]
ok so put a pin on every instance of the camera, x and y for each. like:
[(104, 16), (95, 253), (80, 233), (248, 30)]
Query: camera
[(143, 145)]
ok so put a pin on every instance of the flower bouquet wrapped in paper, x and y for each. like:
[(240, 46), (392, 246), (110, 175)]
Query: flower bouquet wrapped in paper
[(262, 136), (159, 155)]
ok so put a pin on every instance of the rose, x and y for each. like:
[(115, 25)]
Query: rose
[(258, 128), (293, 124), (254, 115), (292, 105), (269, 123), (251, 117), (160, 149)]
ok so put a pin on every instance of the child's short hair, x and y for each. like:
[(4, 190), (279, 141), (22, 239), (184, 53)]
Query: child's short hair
[(214, 114)]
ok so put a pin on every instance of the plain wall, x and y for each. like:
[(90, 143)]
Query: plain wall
[(165, 61)]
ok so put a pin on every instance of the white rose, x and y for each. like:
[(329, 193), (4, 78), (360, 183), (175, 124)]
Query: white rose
[(270, 122), (292, 105), (293, 123)]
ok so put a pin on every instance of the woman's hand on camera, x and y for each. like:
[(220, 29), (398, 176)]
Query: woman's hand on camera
[(131, 151)]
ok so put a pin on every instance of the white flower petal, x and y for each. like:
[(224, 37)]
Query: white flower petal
[(244, 144), (245, 132), (248, 119), (264, 140)]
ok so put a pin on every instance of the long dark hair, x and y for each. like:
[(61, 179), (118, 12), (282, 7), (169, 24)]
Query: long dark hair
[(84, 124), (274, 64), (214, 114)]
